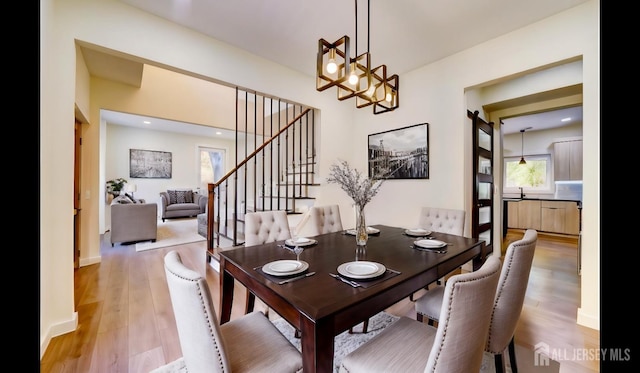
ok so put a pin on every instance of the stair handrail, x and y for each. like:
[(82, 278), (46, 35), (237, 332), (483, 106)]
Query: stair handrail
[(211, 186)]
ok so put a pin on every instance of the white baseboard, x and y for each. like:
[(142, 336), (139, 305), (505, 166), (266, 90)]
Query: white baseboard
[(56, 330), (587, 320), (90, 261)]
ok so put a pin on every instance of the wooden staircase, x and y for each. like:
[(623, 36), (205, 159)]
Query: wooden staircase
[(277, 172)]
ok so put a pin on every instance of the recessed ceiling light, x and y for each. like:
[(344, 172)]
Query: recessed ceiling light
[(565, 119), (218, 133), (146, 122)]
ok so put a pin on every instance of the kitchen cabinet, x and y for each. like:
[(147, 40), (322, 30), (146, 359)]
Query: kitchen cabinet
[(544, 215), (529, 215), (560, 217), (512, 214), (567, 160)]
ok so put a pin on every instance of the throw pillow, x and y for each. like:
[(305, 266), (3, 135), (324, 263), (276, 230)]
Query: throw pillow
[(173, 196), (184, 196)]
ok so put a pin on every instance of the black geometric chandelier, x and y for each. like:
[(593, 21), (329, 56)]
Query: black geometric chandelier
[(354, 77)]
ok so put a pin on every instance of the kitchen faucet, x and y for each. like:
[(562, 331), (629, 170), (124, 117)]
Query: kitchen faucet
[(521, 192)]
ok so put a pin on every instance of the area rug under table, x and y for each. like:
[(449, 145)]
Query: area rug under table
[(173, 232)]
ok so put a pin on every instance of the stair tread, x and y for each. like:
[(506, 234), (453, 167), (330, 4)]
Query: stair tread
[(304, 184), (287, 197)]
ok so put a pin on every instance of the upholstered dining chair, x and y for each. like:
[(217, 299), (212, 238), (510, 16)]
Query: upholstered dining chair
[(250, 343), (262, 227), (508, 302), (441, 220), (456, 345), (266, 226), (324, 219), (435, 219)]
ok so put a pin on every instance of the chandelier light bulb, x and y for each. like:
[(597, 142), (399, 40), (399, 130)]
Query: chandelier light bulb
[(332, 67), (388, 97), (353, 78)]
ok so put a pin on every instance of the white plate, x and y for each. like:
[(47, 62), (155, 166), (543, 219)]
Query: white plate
[(285, 267), (430, 244), (300, 242), (370, 230), (361, 269), (417, 232)]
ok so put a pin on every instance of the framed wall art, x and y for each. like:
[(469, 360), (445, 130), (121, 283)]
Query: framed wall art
[(401, 153), (149, 164)]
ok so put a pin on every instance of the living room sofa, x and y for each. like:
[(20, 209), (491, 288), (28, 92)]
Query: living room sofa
[(133, 220), (181, 204)]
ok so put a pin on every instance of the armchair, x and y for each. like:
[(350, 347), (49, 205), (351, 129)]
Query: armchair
[(181, 204), (133, 221)]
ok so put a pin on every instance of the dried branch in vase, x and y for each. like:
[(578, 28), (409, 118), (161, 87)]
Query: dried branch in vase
[(361, 189)]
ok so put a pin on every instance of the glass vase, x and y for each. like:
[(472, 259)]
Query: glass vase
[(361, 227)]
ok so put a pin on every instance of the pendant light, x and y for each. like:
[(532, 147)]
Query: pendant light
[(522, 161), (354, 77)]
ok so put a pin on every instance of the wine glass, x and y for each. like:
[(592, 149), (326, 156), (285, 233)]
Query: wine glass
[(298, 250), (294, 234)]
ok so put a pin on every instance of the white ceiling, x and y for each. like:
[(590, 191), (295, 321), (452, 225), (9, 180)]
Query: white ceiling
[(542, 121), (404, 34), (159, 124)]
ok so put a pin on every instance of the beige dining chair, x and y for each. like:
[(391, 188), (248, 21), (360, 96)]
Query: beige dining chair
[(250, 343), (435, 219), (508, 302), (456, 345), (266, 226), (324, 219), (262, 227), (441, 220)]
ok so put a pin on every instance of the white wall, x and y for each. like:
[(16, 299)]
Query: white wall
[(432, 94)]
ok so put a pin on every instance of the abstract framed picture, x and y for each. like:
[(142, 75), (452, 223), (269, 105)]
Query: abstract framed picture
[(149, 164), (401, 153)]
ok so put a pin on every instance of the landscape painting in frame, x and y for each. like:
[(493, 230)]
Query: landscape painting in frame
[(401, 153), (149, 164)]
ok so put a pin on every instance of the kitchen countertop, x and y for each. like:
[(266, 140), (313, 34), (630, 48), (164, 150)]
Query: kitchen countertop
[(515, 199)]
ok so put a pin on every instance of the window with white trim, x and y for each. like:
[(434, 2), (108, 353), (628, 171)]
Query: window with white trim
[(211, 165), (533, 177)]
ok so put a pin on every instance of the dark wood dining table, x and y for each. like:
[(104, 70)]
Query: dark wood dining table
[(320, 306)]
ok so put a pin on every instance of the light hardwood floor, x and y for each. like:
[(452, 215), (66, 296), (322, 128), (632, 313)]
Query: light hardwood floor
[(126, 321)]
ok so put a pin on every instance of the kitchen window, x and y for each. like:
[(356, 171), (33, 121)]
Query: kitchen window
[(533, 177)]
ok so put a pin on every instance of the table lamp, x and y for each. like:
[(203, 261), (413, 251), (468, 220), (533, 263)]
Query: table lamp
[(130, 188)]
